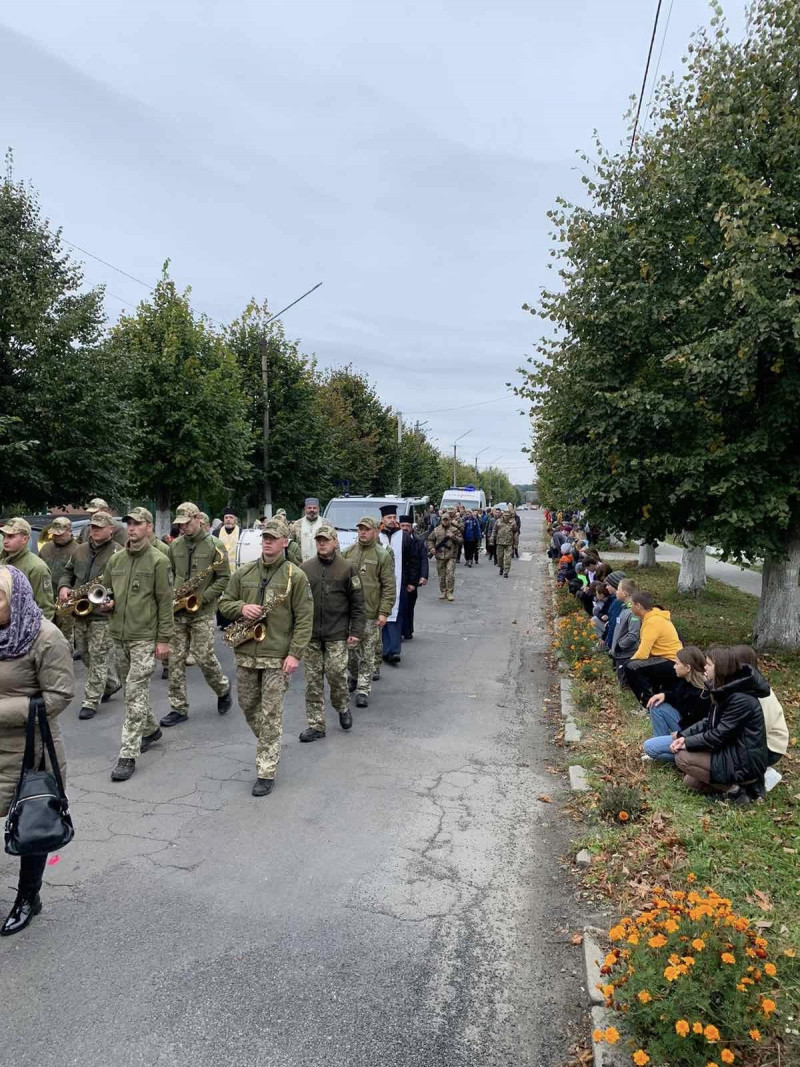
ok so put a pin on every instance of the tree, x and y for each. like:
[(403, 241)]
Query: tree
[(63, 406), (186, 397)]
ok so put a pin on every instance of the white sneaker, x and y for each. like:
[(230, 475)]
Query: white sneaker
[(647, 759), (771, 778)]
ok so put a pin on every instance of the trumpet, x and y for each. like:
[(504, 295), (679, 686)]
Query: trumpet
[(185, 598), (83, 599), (244, 630)]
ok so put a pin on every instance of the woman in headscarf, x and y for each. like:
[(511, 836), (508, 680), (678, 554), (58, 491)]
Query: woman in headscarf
[(35, 659)]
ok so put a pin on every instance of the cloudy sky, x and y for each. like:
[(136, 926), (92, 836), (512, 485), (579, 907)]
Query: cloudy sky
[(404, 154)]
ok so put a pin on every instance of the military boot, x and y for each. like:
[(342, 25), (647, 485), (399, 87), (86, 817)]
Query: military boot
[(123, 770), (311, 734)]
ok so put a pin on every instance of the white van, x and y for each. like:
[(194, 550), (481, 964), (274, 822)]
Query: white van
[(343, 512), (467, 495)]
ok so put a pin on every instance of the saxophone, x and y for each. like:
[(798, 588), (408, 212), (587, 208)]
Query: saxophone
[(254, 629), (82, 599), (185, 597)]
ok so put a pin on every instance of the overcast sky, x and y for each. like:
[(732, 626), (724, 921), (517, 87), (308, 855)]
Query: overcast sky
[(404, 154)]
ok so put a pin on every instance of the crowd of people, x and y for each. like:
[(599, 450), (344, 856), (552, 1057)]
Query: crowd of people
[(119, 598), (713, 714)]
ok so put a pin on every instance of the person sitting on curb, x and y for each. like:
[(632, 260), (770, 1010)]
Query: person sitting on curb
[(774, 719), (686, 701), (726, 752), (650, 666), (612, 583), (625, 639)]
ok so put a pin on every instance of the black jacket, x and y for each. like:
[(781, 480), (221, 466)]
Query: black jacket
[(421, 551), (734, 731), (411, 560), (691, 703), (338, 598)]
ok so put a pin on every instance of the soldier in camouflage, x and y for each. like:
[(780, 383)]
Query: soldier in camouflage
[(263, 668), (16, 553), (444, 543), (375, 567), (505, 535), (119, 535), (56, 553), (338, 626)]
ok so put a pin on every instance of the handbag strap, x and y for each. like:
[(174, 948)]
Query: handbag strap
[(49, 744)]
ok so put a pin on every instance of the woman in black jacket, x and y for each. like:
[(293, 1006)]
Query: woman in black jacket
[(685, 702), (726, 751)]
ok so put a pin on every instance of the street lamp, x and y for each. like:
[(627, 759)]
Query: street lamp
[(464, 434), (479, 454)]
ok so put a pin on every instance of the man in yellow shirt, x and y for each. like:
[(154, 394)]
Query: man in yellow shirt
[(652, 666)]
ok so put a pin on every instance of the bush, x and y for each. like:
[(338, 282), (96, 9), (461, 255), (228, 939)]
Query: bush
[(622, 803), (693, 982), (575, 638)]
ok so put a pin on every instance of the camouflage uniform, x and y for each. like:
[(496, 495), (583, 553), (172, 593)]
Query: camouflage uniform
[(94, 643), (375, 567), (57, 557), (444, 542), (136, 660), (504, 535), (325, 659), (261, 692)]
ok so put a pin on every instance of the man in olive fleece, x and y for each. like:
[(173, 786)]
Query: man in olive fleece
[(16, 537), (263, 668), (92, 634), (338, 626), (141, 625), (374, 565), (190, 554), (119, 534), (56, 553)]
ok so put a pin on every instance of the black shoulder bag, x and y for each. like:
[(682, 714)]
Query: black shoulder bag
[(38, 820)]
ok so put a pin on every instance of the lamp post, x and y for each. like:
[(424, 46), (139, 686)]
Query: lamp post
[(476, 458), (464, 434)]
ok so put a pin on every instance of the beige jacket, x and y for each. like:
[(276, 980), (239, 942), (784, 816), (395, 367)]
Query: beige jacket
[(775, 722), (47, 669)]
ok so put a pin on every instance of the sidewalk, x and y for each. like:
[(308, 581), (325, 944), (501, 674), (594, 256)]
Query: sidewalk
[(748, 581)]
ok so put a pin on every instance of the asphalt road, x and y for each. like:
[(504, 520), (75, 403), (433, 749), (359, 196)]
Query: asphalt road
[(398, 899)]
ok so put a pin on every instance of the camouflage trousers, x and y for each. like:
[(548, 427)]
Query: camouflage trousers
[(136, 660), (504, 554), (94, 643), (320, 660), (446, 569), (65, 623), (195, 635), (366, 657), (261, 692)]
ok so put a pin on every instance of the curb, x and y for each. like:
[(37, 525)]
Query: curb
[(572, 734), (577, 779), (593, 953)]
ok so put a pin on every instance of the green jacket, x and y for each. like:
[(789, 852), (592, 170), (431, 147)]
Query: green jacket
[(189, 556), (141, 587), (338, 599), (288, 624), (155, 542), (120, 535), (57, 557), (38, 574), (87, 564), (293, 553), (374, 565)]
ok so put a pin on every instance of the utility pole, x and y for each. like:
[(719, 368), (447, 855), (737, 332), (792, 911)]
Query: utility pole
[(265, 384), (476, 459), (399, 452)]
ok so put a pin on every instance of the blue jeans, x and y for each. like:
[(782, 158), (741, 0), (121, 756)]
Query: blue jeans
[(665, 721)]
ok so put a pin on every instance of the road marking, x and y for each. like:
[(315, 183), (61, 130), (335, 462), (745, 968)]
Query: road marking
[(526, 557)]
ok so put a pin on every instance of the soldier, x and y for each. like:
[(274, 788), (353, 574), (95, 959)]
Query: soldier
[(56, 553), (141, 625), (375, 567), (505, 533), (444, 542), (338, 626), (92, 636), (293, 553), (263, 668), (16, 536), (195, 558), (305, 529), (120, 535)]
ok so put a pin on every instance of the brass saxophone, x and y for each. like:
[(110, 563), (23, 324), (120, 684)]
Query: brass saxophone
[(184, 598), (254, 629), (82, 599)]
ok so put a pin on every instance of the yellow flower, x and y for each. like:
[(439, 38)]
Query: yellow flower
[(698, 944), (612, 1035), (691, 877), (610, 960), (597, 1036), (657, 941), (671, 973), (608, 990), (712, 1064), (681, 1028), (645, 997), (770, 969), (688, 960), (711, 1033), (697, 1028), (761, 942), (790, 952), (633, 939), (741, 988), (768, 1005), (727, 1056), (755, 1035), (728, 957), (616, 933), (640, 1057), (671, 926)]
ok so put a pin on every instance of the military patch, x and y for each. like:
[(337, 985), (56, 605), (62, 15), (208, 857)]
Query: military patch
[(356, 582)]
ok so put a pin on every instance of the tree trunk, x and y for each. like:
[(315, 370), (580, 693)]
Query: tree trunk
[(163, 522), (778, 620), (692, 577), (647, 554)]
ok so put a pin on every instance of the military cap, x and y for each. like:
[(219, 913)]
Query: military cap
[(96, 504), (138, 515), (280, 513), (60, 524), (205, 519), (388, 509), (186, 512), (327, 531), (275, 528), (311, 502), (368, 521), (101, 519), (17, 525)]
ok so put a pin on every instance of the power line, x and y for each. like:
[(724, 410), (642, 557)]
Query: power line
[(647, 112), (479, 403), (644, 79), (105, 262)]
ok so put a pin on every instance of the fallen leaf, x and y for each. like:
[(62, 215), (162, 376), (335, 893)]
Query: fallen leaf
[(545, 799), (577, 939)]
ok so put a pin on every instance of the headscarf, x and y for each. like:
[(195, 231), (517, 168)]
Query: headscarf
[(26, 615)]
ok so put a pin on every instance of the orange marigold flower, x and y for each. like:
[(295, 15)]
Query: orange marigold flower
[(768, 1005), (681, 1028), (671, 926), (616, 933), (711, 1033), (671, 973), (697, 1028), (728, 957), (770, 969), (688, 960), (727, 1056), (640, 1057), (633, 939), (761, 942), (597, 1036), (608, 990), (741, 988), (657, 941), (691, 877), (712, 1064), (755, 1035), (612, 1035), (698, 944), (623, 816), (610, 960), (644, 997)]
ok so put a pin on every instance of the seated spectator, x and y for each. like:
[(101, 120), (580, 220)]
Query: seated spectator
[(726, 751), (601, 602), (650, 667), (774, 719), (686, 701), (587, 598), (558, 539), (566, 569), (625, 639), (612, 581)]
